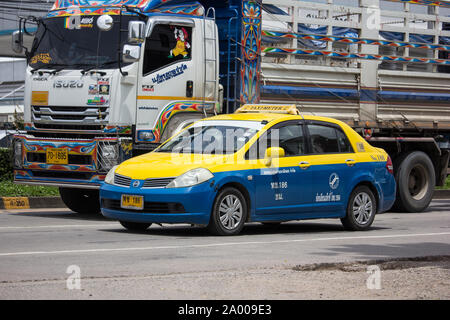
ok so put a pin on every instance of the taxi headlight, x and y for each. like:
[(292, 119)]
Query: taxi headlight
[(191, 178), (109, 179)]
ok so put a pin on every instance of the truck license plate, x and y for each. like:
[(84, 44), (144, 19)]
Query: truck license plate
[(57, 156), (132, 202)]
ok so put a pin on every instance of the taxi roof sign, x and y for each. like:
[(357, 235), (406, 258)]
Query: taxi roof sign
[(268, 108)]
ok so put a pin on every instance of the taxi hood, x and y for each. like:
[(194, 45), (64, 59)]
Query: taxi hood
[(169, 165)]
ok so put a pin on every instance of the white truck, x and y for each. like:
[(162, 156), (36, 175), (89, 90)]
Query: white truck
[(111, 79)]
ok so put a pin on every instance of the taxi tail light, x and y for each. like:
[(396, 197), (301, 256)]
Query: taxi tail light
[(389, 165)]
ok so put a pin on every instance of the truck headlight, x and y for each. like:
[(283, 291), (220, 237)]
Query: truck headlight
[(108, 156), (18, 154), (109, 179), (191, 178)]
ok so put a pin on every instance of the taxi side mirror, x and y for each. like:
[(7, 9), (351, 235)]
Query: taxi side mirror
[(272, 154)]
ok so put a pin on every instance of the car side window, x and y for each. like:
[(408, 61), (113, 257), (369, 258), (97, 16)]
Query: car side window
[(290, 137), (292, 140), (327, 139), (167, 45), (344, 144)]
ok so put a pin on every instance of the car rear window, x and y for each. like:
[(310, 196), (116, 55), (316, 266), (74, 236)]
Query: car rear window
[(327, 139)]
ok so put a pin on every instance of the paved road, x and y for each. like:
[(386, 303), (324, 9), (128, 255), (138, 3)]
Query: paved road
[(37, 246)]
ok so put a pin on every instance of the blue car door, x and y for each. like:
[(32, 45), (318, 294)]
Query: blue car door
[(332, 163), (280, 186)]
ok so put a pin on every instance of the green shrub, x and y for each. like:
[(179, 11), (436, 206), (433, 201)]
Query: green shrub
[(10, 189), (446, 185), (6, 170)]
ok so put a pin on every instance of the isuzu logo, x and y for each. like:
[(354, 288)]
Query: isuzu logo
[(72, 84)]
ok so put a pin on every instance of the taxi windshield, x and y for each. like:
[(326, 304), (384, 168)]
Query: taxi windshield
[(212, 137)]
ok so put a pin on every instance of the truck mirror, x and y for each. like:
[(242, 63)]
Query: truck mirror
[(105, 22), (131, 53), (136, 32), (17, 42)]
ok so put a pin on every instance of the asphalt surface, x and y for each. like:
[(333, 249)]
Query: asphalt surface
[(37, 247)]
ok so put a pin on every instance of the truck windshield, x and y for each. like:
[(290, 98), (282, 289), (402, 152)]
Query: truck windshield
[(212, 137), (78, 43)]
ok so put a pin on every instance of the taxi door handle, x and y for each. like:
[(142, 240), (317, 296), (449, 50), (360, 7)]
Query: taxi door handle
[(350, 162), (304, 165)]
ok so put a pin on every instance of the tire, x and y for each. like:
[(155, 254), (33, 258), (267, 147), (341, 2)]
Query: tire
[(81, 200), (135, 226), (229, 213), (416, 180), (361, 210)]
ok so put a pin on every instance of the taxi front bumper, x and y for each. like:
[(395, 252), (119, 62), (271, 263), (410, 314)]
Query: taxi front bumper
[(190, 205)]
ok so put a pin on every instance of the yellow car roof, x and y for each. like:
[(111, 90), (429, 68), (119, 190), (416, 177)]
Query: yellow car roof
[(251, 117), (270, 117)]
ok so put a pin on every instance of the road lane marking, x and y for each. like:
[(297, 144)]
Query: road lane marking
[(6, 254), (62, 226)]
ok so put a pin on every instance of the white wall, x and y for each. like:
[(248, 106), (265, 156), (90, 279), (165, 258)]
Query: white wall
[(12, 69)]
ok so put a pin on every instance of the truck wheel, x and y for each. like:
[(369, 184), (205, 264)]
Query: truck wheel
[(135, 226), (416, 180), (229, 213), (81, 200), (361, 210)]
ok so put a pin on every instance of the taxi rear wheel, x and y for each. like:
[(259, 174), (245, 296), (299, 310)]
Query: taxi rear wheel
[(229, 213), (135, 226), (361, 210)]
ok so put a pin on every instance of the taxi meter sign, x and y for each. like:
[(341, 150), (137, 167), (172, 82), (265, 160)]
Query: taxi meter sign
[(266, 108)]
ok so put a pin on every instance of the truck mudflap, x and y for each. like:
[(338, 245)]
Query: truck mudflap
[(67, 162)]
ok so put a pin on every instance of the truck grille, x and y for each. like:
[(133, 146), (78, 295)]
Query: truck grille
[(157, 183), (73, 158), (62, 114)]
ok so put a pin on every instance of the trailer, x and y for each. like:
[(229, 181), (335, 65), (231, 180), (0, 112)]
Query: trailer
[(111, 79)]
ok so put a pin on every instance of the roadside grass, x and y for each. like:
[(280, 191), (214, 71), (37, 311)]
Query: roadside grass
[(447, 184), (10, 189)]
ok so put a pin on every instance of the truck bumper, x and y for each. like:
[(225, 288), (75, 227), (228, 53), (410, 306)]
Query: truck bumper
[(86, 165)]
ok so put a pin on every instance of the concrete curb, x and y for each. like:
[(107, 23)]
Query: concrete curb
[(31, 202), (442, 194)]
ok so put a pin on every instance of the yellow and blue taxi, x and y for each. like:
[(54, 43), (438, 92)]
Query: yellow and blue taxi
[(264, 163)]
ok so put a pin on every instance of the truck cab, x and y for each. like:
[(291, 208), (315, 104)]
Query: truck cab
[(108, 82)]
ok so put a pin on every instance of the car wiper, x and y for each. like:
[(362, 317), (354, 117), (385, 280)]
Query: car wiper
[(92, 67), (57, 68)]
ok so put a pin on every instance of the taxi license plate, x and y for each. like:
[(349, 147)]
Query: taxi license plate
[(57, 156), (132, 202)]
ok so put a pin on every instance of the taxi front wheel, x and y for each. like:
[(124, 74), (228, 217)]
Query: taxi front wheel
[(135, 226), (361, 210), (229, 213)]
